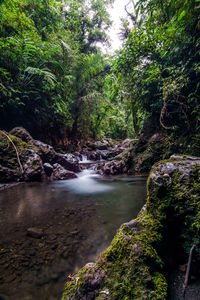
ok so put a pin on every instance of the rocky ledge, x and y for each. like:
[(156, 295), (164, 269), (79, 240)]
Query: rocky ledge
[(142, 255), (24, 159)]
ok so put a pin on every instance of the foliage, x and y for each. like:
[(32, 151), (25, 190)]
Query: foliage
[(51, 71), (158, 67), (53, 76)]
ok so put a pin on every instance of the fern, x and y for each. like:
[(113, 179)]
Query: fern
[(41, 73)]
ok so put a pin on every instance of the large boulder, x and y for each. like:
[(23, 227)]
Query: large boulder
[(144, 249), (63, 160), (46, 152), (113, 167), (18, 160), (145, 153)]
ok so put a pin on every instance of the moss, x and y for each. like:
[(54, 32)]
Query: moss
[(21, 133), (27, 152), (129, 264), (8, 153), (135, 263)]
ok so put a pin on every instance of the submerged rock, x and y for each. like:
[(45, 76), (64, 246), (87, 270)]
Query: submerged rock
[(35, 232), (134, 266)]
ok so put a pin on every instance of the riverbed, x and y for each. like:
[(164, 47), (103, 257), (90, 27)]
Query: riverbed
[(77, 220)]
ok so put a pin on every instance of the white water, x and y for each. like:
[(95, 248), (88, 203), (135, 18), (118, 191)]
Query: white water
[(85, 160), (86, 183)]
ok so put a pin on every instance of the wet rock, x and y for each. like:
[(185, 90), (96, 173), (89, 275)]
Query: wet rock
[(33, 168), (71, 158), (65, 254), (77, 155), (46, 152), (93, 155), (55, 275), (105, 154), (113, 168), (35, 232), (48, 168), (60, 173), (62, 160)]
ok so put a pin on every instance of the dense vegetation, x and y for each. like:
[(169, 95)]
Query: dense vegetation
[(161, 58), (55, 80)]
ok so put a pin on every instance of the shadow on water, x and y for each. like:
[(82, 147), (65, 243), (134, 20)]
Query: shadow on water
[(78, 218)]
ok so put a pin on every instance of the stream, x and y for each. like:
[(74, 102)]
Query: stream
[(75, 221)]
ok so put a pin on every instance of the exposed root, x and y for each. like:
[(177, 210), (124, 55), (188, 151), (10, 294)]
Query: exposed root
[(17, 153)]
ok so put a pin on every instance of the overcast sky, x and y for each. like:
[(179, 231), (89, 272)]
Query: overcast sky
[(116, 12)]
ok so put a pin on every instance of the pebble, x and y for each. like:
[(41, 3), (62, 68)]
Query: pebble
[(35, 232)]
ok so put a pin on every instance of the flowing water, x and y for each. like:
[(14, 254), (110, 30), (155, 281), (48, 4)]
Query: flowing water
[(78, 219)]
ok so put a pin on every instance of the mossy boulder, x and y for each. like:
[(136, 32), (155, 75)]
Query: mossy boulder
[(18, 159), (21, 133), (147, 152), (136, 264)]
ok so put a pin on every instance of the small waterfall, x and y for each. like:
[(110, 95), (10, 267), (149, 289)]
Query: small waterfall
[(85, 160), (100, 158)]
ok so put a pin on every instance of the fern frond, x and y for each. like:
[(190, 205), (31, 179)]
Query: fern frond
[(44, 73)]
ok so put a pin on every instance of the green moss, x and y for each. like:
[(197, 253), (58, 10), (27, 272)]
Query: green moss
[(10, 169), (8, 153), (21, 133), (161, 286), (129, 264), (135, 262)]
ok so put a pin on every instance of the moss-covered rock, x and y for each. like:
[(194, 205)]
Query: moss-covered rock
[(18, 159), (147, 152), (136, 263), (21, 133)]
